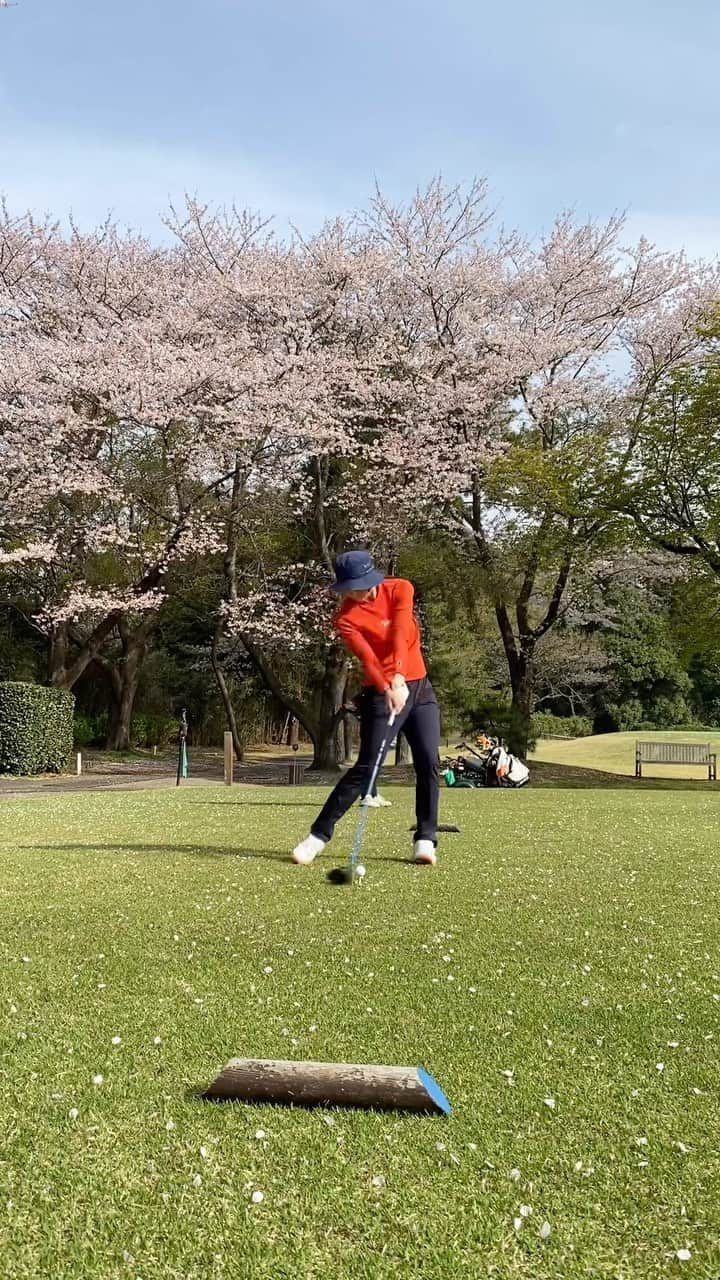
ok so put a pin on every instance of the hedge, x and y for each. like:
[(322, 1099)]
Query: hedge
[(546, 725), (36, 728)]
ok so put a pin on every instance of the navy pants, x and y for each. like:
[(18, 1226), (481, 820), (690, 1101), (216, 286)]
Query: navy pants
[(420, 722)]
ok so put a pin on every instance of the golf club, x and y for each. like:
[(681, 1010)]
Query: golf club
[(346, 874)]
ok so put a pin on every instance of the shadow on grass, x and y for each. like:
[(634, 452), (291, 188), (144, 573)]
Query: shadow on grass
[(545, 775), (200, 851), (198, 1093), (261, 804), (270, 855)]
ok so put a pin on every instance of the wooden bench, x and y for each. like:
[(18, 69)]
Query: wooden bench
[(675, 753)]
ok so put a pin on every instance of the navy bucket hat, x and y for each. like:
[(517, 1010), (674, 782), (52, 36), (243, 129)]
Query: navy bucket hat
[(355, 571)]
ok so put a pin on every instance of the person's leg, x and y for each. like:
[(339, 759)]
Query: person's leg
[(373, 729), (422, 730)]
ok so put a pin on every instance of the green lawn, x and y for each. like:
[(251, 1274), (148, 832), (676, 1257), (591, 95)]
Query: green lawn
[(615, 752), (558, 972)]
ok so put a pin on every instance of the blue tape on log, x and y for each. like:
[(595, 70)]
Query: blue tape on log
[(435, 1092)]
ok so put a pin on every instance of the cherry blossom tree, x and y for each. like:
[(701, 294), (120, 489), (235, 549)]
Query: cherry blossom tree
[(264, 404), (547, 358), (115, 389), (308, 308)]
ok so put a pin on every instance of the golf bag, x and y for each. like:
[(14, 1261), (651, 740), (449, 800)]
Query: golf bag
[(492, 766), (508, 770)]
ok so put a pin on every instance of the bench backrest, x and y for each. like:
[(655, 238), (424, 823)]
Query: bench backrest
[(673, 752)]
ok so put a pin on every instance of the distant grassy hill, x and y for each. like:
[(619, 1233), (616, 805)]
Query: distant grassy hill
[(615, 752)]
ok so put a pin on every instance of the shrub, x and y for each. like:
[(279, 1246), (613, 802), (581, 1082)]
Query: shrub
[(91, 731), (83, 731), (546, 725), (148, 730), (36, 728)]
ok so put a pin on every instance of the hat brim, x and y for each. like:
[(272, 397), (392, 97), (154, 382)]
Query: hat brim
[(366, 583)]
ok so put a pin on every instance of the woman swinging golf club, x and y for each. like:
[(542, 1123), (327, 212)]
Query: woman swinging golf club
[(376, 622)]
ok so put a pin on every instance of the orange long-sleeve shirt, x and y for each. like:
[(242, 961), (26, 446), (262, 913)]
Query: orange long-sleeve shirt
[(383, 633)]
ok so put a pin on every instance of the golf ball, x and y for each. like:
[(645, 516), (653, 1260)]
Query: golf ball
[(360, 871)]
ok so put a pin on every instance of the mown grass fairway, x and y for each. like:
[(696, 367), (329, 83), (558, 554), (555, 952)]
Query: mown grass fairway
[(558, 972), (615, 752)]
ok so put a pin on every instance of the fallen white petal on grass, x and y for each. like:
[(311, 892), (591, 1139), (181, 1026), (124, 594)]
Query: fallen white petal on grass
[(170, 1125), (549, 1102), (116, 1040), (73, 1113), (525, 1210), (257, 1197), (259, 1134), (517, 1223), (545, 1231), (204, 1153), (157, 1040), (659, 1066), (378, 1181), (98, 1079), (683, 1255)]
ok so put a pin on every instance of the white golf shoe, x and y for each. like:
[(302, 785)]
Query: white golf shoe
[(307, 850), (376, 802), (424, 852)]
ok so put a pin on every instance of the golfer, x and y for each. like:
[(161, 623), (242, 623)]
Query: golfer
[(377, 624)]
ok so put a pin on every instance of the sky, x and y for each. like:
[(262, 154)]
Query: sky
[(297, 108)]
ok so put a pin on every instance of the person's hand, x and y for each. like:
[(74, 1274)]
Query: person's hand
[(396, 695)]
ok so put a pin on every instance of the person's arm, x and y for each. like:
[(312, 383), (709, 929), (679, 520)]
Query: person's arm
[(402, 625), (358, 645)]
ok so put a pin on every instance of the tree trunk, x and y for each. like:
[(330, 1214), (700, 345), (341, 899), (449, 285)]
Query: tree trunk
[(401, 749), (320, 721), (521, 705), (238, 744), (347, 744), (125, 682), (58, 654), (327, 742)]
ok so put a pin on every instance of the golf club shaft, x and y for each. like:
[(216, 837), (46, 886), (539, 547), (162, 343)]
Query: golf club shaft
[(357, 842), (380, 756)]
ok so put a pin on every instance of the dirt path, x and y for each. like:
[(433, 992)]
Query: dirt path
[(206, 769)]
